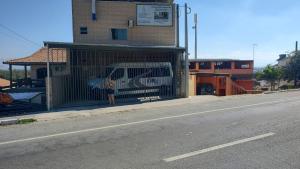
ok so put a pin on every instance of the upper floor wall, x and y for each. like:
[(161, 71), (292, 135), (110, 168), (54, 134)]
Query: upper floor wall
[(164, 1), (230, 67), (116, 22)]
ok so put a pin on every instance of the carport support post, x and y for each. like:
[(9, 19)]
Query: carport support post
[(296, 54), (10, 76), (186, 53), (25, 72), (196, 35), (48, 80)]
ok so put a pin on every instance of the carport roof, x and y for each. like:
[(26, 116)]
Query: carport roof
[(40, 57), (112, 47)]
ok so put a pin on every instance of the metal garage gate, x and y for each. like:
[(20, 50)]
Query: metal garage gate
[(139, 73)]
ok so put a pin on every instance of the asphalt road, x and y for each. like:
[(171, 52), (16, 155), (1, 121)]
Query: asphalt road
[(261, 131)]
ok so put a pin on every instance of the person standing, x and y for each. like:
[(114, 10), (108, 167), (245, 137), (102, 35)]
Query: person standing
[(110, 89)]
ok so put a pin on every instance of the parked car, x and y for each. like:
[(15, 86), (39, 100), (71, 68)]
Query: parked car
[(5, 99)]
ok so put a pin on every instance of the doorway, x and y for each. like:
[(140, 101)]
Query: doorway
[(41, 73)]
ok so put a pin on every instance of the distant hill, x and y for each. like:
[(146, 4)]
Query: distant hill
[(258, 69), (2, 66), (16, 74)]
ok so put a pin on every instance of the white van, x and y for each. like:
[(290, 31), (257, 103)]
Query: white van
[(137, 78)]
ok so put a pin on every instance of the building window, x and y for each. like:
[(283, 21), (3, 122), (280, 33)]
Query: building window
[(242, 65), (83, 30), (119, 34), (192, 65), (223, 65), (41, 73), (205, 65)]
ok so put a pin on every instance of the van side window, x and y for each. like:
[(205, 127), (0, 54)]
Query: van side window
[(155, 72), (165, 72), (242, 65), (118, 74), (148, 72), (159, 72), (136, 72)]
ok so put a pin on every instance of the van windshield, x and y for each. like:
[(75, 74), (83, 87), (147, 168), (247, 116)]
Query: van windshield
[(108, 71)]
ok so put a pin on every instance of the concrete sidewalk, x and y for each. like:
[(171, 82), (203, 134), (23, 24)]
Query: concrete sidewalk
[(77, 112), (89, 111)]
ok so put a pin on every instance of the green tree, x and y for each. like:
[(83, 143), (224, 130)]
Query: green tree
[(272, 74), (259, 75), (292, 70), (280, 75)]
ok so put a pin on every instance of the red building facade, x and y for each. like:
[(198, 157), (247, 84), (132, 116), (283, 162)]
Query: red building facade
[(222, 77)]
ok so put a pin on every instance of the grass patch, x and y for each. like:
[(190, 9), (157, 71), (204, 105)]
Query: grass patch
[(26, 121)]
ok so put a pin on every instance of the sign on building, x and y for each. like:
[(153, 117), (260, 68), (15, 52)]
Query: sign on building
[(154, 15)]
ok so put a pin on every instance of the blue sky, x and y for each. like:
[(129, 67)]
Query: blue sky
[(227, 28)]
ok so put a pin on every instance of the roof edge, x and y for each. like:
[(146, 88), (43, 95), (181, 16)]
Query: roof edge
[(107, 46), (217, 59)]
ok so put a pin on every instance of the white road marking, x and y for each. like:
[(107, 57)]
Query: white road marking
[(171, 159), (137, 122)]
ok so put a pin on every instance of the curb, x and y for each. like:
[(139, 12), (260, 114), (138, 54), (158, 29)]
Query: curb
[(281, 91), (7, 122), (59, 116), (70, 114), (15, 121)]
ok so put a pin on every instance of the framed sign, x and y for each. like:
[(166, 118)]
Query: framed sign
[(154, 15)]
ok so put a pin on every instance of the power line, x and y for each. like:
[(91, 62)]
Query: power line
[(19, 35), (9, 35)]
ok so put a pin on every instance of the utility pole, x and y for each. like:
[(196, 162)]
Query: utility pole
[(48, 80), (10, 77), (296, 74), (177, 26), (186, 51), (254, 45), (196, 35)]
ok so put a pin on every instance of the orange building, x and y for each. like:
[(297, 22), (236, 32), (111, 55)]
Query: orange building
[(221, 77)]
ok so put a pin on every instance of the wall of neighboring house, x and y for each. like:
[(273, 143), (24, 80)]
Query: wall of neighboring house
[(57, 70), (116, 14), (193, 85), (242, 76), (246, 84), (206, 80), (284, 62), (34, 68), (219, 84)]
